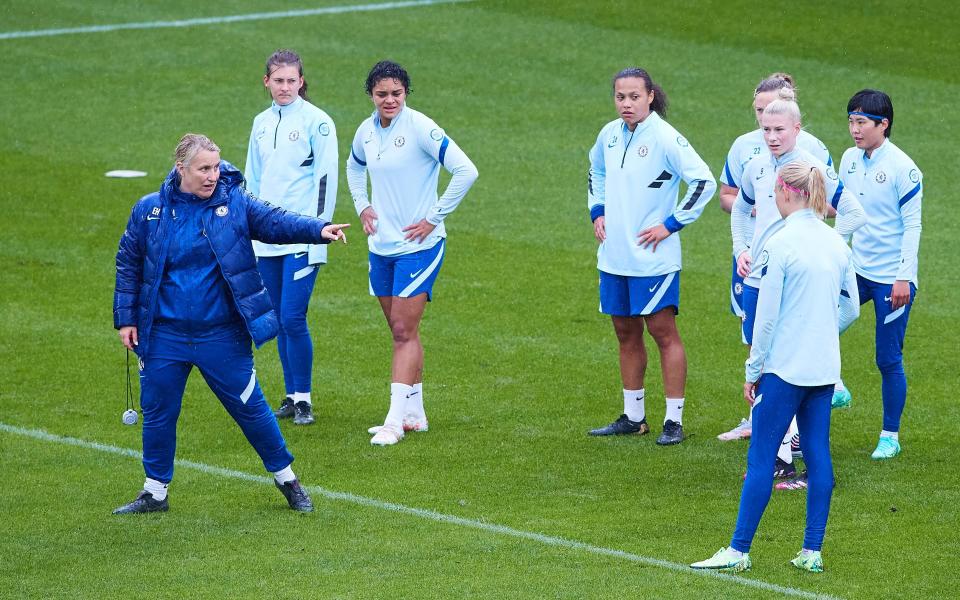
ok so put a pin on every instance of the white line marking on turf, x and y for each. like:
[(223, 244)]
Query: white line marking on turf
[(307, 12), (431, 515)]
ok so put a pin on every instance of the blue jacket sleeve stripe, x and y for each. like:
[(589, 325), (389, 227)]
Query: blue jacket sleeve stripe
[(360, 162), (443, 149), (726, 171), (836, 195), (909, 195), (747, 198)]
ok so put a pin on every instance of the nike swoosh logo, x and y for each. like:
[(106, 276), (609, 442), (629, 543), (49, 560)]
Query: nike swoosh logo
[(153, 218), (655, 286), (412, 275), (785, 443), (299, 254), (887, 298)]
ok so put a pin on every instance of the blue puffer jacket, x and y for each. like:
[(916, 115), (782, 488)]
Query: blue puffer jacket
[(231, 218)]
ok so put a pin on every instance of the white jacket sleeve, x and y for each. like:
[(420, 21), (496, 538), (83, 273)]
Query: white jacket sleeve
[(252, 168), (597, 181), (684, 160), (910, 196), (357, 174), (850, 214), (741, 219), (768, 314), (849, 298), (445, 151), (326, 176)]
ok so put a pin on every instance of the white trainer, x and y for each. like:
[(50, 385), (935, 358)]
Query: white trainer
[(725, 561), (410, 424), (743, 431), (388, 435)]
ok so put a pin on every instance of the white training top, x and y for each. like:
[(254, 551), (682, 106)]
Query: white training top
[(404, 161), (292, 163), (890, 187), (634, 183), (757, 190), (805, 269)]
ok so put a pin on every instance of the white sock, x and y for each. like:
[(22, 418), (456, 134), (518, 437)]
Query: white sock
[(890, 434), (735, 553), (157, 490), (398, 404), (633, 405), (284, 475), (806, 552), (784, 453), (839, 387), (674, 410), (302, 397), (415, 401)]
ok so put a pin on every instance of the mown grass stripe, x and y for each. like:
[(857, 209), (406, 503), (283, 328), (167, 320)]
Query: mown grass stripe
[(261, 16), (547, 540)]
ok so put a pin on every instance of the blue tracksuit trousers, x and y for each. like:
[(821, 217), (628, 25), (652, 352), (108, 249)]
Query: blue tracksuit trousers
[(226, 364), (776, 403)]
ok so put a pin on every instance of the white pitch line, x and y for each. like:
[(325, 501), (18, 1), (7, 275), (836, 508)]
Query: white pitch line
[(262, 16), (431, 515)]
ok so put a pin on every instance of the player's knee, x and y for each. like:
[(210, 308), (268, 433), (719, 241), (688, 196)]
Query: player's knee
[(890, 364), (402, 334), (294, 325)]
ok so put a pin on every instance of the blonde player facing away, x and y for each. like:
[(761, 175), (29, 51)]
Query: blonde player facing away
[(794, 361)]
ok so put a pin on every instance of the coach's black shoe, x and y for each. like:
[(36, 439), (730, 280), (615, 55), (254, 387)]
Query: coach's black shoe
[(144, 503), (296, 496), (672, 433), (286, 409), (622, 426), (302, 413)]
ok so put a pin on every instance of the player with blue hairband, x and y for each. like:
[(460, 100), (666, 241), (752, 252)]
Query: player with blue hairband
[(885, 249)]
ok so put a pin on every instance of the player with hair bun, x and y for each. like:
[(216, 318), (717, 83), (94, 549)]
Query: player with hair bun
[(885, 249), (402, 150), (292, 163), (781, 125), (795, 358), (744, 148), (636, 166)]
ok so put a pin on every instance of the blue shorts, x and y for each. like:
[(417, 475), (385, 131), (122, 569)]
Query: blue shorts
[(625, 296), (406, 275), (736, 291), (750, 296)]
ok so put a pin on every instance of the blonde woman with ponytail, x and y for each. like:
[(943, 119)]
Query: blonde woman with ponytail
[(781, 126), (795, 359)]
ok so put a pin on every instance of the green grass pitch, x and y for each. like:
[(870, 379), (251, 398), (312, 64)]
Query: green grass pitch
[(519, 362)]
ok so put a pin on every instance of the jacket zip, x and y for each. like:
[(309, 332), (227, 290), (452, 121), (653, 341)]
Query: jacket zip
[(277, 130), (625, 148)]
